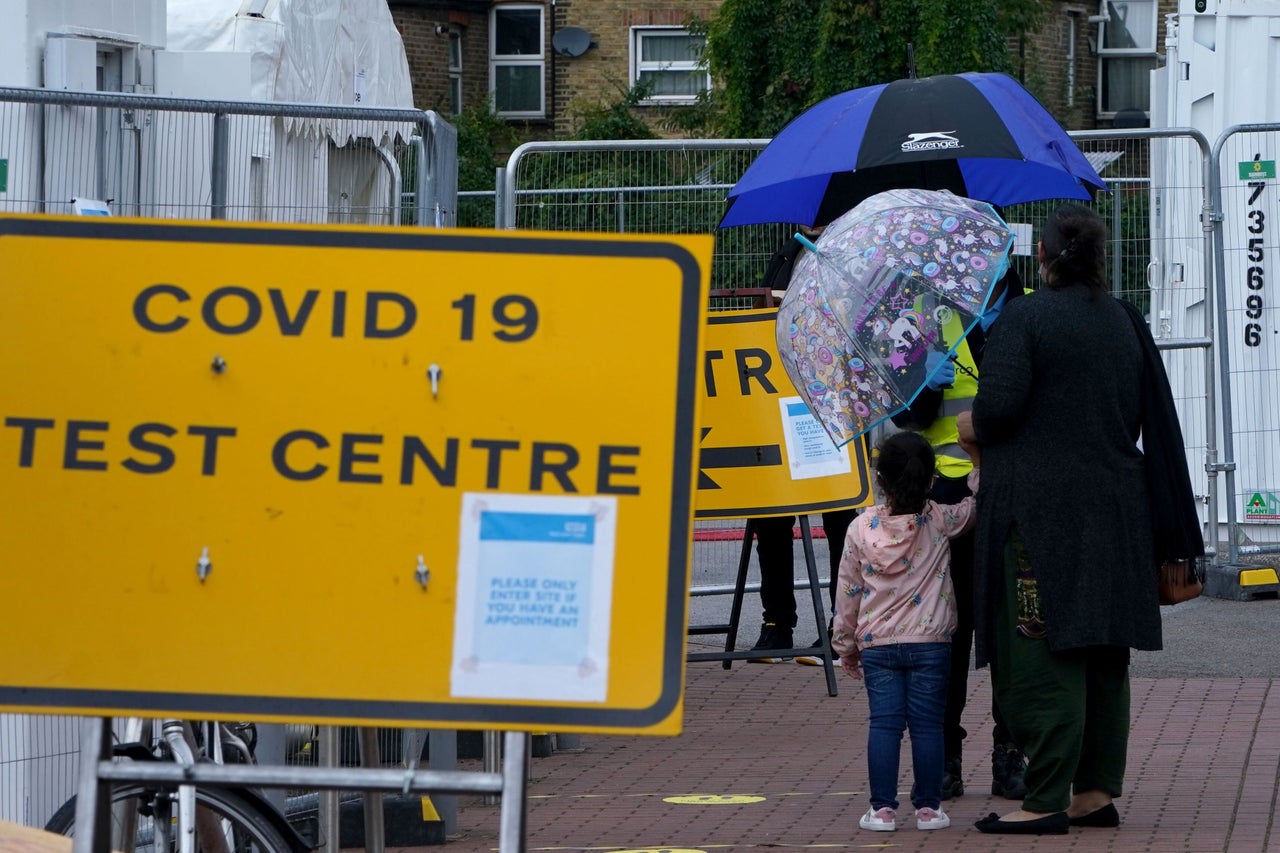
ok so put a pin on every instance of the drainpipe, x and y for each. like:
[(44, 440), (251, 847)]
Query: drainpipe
[(1071, 60), (551, 101)]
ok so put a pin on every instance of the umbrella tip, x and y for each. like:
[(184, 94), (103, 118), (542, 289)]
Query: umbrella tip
[(806, 242), (911, 61)]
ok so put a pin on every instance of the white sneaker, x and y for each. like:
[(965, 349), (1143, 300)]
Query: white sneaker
[(884, 820), (927, 818)]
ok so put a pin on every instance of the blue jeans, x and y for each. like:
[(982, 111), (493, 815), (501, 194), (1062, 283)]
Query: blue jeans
[(906, 688)]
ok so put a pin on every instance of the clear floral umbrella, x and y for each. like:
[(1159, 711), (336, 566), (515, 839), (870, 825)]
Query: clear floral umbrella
[(867, 302)]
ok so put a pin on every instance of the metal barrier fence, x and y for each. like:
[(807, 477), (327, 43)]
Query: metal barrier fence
[(1246, 224), (641, 187), (151, 156), (160, 157), (1158, 260)]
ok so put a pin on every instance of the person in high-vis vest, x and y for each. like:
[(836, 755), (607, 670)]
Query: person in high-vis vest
[(933, 414)]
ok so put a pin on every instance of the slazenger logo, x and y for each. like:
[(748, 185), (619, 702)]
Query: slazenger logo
[(932, 141)]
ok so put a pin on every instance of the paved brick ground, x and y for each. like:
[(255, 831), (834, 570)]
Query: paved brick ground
[(1204, 775)]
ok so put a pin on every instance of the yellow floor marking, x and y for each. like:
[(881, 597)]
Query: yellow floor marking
[(655, 794), (714, 799), (705, 847)]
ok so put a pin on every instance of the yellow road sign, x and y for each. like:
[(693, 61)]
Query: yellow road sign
[(761, 452), (361, 475)]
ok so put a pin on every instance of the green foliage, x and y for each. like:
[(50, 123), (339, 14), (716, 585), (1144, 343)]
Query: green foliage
[(955, 36), (774, 58), (481, 136), (1018, 19), (613, 120), (761, 53), (482, 139)]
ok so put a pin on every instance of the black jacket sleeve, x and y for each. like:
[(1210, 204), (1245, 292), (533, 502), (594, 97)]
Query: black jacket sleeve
[(1175, 520), (922, 412), (778, 274)]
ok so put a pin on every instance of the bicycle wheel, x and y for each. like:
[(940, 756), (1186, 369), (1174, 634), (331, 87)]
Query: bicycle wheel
[(144, 820)]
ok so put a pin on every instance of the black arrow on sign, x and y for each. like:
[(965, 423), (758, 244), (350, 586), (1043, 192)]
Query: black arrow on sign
[(746, 456)]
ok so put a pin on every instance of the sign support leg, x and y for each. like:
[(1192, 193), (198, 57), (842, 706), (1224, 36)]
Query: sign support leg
[(375, 837), (327, 744), (735, 610), (515, 780), (815, 590), (93, 795)]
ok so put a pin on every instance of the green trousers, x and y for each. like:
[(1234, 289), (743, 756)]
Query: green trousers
[(1068, 711)]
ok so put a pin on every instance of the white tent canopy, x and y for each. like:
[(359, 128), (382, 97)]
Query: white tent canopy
[(333, 52)]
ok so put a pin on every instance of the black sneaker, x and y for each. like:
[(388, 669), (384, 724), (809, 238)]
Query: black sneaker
[(1008, 772), (952, 784), (772, 636)]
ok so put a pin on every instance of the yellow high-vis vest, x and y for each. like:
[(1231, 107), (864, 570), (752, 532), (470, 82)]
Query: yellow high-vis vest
[(952, 461)]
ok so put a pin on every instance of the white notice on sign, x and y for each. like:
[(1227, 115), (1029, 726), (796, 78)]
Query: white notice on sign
[(810, 451), (535, 580)]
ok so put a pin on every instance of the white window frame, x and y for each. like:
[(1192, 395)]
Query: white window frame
[(1105, 53), (538, 60), (638, 34), (455, 72)]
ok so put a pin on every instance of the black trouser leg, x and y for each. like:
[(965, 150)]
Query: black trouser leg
[(949, 491), (775, 548), (835, 525)]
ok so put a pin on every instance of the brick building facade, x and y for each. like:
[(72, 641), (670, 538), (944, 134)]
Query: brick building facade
[(436, 34), (1087, 63), (1075, 54), (459, 52), (608, 70)]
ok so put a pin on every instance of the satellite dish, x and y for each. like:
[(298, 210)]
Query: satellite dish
[(572, 41)]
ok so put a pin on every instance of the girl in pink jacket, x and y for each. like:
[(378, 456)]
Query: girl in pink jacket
[(895, 614)]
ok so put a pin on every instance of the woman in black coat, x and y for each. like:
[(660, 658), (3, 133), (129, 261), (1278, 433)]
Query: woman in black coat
[(1064, 570)]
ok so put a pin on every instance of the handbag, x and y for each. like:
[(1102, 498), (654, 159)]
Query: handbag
[(1178, 581)]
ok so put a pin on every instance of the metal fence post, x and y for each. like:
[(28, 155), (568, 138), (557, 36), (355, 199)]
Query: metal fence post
[(375, 836), (421, 182), (272, 748), (492, 759), (442, 747), (1117, 235), (218, 174), (93, 794), (515, 763), (328, 806), (504, 208)]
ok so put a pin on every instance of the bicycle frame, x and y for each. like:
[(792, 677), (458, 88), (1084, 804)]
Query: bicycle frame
[(177, 741)]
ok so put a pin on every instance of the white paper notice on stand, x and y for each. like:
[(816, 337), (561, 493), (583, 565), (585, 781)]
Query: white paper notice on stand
[(810, 451), (535, 585)]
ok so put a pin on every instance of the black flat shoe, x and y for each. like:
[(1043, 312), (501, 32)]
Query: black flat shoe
[(1106, 817), (1052, 824)]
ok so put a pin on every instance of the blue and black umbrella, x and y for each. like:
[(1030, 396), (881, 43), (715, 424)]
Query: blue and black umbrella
[(978, 135)]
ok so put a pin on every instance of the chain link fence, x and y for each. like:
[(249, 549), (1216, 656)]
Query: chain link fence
[(1247, 256), (1158, 258), (171, 158)]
